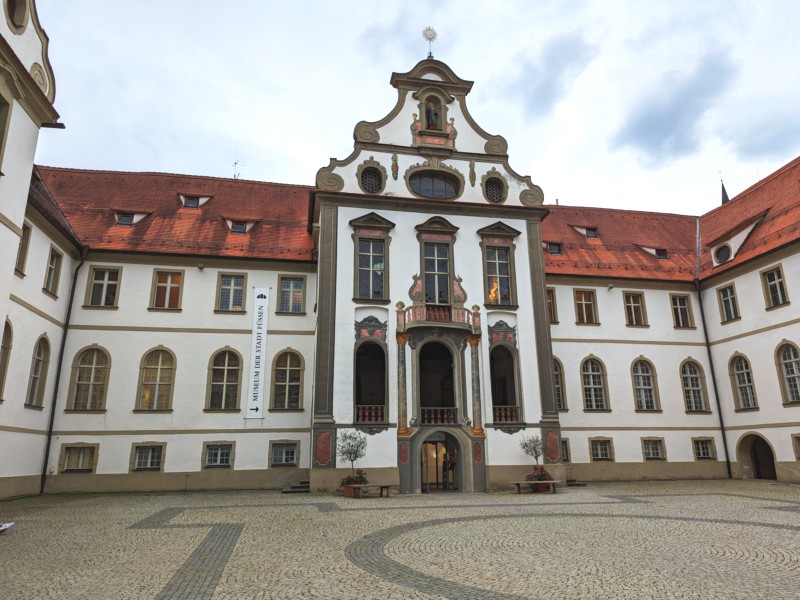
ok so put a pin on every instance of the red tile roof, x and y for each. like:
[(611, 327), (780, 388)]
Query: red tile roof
[(618, 251), (89, 200), (774, 204)]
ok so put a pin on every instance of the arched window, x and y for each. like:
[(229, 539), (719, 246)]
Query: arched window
[(594, 385), (503, 372), (287, 380), (370, 388), (742, 379), (225, 374), (157, 379), (692, 382), (645, 390), (435, 184), (90, 376), (38, 376), (559, 393), (790, 373), (5, 355)]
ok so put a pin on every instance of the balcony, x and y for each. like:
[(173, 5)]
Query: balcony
[(370, 414), (438, 415), (506, 414), (438, 315)]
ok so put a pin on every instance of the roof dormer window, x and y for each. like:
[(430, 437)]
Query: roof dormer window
[(722, 254), (554, 248), (124, 218), (192, 202), (661, 254), (591, 232), (238, 227)]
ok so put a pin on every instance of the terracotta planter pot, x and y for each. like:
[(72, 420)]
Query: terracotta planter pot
[(351, 491), (543, 486)]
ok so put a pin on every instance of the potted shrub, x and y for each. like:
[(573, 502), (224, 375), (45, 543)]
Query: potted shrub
[(534, 446), (351, 447)]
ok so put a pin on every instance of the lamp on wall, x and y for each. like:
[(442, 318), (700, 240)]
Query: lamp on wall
[(611, 286), (413, 421), (200, 266)]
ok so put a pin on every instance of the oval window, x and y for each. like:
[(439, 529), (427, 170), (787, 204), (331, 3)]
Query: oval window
[(439, 186), (371, 180), (722, 254), (494, 189)]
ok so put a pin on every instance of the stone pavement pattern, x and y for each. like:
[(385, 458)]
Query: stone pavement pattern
[(727, 539)]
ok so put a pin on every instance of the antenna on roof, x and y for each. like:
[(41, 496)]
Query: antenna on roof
[(236, 163)]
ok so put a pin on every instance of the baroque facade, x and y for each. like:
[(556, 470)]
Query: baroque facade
[(169, 332)]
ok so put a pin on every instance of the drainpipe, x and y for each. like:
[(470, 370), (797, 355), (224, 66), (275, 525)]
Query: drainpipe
[(713, 379), (45, 462)]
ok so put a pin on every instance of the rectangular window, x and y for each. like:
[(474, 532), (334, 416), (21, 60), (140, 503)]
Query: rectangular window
[(103, 286), (703, 448), (552, 309), (661, 254), (231, 292), (5, 112), (218, 455), (498, 276), (774, 288), (585, 308), (238, 227), (125, 219), (292, 298), (284, 454), (22, 250), (554, 248), (79, 458), (634, 309), (192, 202), (167, 290), (796, 444), (148, 458), (371, 261), (729, 310), (681, 311), (591, 232), (653, 449), (53, 272), (565, 455), (601, 450), (437, 273)]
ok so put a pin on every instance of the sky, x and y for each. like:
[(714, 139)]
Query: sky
[(631, 104)]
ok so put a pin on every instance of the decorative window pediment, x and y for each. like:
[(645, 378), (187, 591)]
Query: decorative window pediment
[(498, 229), (371, 221), (437, 225)]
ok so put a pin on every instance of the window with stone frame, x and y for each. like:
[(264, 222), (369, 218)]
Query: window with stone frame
[(230, 292), (437, 273), (103, 287), (558, 385), (52, 272), (703, 448), (566, 455), (653, 449), (292, 295), (693, 385), (594, 385), (218, 455), (38, 374), (24, 243), (370, 383), (287, 378), (371, 251), (601, 450), (90, 379), (744, 391), (224, 384), (789, 372), (552, 307), (499, 275), (148, 458), (682, 317), (774, 287), (645, 389), (729, 308), (5, 355), (635, 315), (79, 458), (167, 290), (585, 307), (283, 454), (156, 381), (503, 379)]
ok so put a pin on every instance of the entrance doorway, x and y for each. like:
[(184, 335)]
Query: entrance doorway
[(756, 458), (439, 463)]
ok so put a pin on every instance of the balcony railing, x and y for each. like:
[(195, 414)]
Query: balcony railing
[(506, 414), (432, 314), (369, 414), (438, 416)]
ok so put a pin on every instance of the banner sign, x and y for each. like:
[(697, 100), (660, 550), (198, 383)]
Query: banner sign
[(258, 353)]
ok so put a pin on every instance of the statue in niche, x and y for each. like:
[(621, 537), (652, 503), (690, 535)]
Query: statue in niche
[(432, 114)]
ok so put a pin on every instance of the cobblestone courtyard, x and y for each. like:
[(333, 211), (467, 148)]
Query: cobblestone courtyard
[(728, 539)]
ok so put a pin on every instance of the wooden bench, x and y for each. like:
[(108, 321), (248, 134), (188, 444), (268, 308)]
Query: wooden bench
[(358, 487), (518, 484)]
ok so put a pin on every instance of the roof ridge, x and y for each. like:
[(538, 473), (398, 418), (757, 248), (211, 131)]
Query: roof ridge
[(165, 174), (619, 210)]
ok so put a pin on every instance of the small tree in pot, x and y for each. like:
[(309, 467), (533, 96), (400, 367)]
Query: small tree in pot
[(351, 447), (534, 446)]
